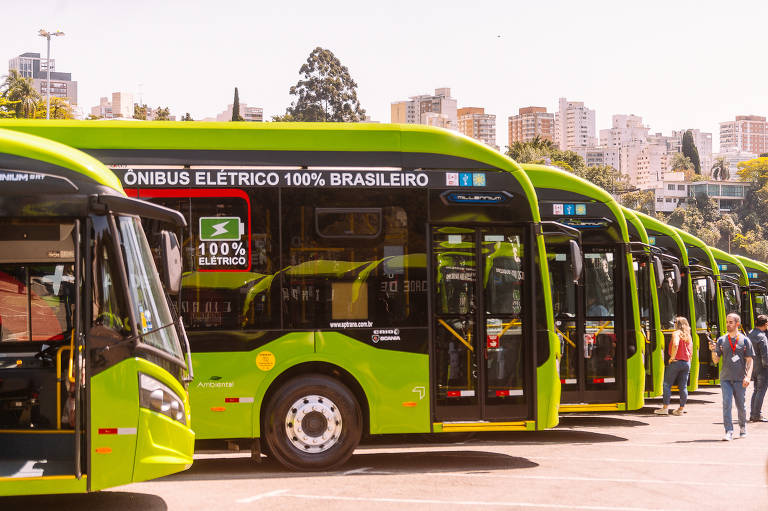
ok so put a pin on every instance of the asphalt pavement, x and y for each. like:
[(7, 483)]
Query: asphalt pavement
[(633, 461)]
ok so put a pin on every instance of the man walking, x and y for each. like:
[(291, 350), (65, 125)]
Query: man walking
[(760, 367), (736, 351)]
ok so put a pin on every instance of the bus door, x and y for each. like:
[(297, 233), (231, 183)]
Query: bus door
[(641, 263), (482, 368), (706, 321)]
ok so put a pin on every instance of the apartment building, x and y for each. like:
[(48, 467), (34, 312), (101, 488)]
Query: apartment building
[(31, 65), (438, 110), (703, 143), (121, 106), (475, 123), (248, 113), (747, 133), (574, 126), (531, 122)]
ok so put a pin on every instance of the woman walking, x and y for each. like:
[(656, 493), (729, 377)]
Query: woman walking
[(680, 349)]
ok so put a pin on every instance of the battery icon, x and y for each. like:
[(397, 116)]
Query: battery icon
[(221, 228)]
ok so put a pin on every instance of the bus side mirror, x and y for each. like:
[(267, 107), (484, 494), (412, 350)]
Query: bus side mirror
[(659, 271), (678, 279), (171, 252), (711, 289), (578, 264)]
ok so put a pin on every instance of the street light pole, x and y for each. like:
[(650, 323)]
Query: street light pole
[(47, 35)]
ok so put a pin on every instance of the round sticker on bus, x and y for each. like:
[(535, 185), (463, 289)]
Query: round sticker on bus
[(265, 360)]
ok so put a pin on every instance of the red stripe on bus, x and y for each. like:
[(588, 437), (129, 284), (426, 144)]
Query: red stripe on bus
[(231, 399), (107, 431), (453, 393)]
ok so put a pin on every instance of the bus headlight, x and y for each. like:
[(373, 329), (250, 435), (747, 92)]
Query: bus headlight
[(158, 397)]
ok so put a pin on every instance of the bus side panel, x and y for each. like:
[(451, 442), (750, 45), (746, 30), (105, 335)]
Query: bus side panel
[(548, 388), (164, 446), (229, 386), (42, 486), (114, 424), (395, 383)]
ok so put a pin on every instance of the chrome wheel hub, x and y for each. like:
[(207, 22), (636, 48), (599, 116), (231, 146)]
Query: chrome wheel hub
[(313, 424)]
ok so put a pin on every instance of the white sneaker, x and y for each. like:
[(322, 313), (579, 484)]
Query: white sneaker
[(728, 436), (661, 411)]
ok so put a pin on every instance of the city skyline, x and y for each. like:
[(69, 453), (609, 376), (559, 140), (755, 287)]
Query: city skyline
[(665, 62)]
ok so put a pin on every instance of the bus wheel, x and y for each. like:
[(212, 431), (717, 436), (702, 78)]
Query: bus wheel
[(312, 422)]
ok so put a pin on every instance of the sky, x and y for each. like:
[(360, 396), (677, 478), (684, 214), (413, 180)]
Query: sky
[(678, 64)]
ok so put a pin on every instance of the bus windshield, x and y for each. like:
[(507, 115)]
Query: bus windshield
[(156, 322)]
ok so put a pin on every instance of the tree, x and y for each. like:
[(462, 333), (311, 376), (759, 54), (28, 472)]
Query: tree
[(59, 109), (325, 92), (162, 114), (720, 169), (236, 108), (689, 150), (140, 112), (21, 93), (640, 200), (681, 163), (606, 177), (7, 109), (187, 117)]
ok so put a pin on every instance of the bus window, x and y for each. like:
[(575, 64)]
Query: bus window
[(667, 302), (353, 257), (730, 297), (39, 297), (599, 282), (700, 302)]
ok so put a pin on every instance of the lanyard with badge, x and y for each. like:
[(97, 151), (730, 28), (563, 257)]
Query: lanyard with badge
[(735, 357)]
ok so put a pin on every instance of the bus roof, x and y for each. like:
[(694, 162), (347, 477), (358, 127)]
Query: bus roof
[(102, 138), (29, 153), (724, 257), (693, 242), (276, 144), (657, 226), (543, 176), (634, 225)]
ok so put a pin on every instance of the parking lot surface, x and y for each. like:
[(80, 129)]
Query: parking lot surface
[(628, 461)]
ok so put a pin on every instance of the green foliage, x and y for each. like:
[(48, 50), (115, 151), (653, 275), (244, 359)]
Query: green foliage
[(187, 117), (689, 150), (162, 114), (7, 109), (640, 200), (325, 92), (60, 109), (606, 177), (19, 92), (236, 117), (720, 169), (140, 112), (681, 162)]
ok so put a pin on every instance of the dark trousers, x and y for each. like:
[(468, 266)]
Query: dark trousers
[(761, 384)]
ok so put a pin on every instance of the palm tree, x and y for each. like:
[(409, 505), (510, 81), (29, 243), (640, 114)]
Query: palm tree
[(720, 169), (22, 93)]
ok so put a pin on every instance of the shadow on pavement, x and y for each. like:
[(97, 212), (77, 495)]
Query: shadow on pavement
[(106, 500), (699, 441), (410, 462), (592, 420)]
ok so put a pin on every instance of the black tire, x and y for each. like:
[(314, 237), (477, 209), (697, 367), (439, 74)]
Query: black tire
[(327, 428)]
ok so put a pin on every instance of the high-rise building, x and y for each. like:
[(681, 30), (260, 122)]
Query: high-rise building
[(574, 126), (437, 110), (103, 110), (122, 105), (748, 133), (529, 123), (475, 123), (30, 65)]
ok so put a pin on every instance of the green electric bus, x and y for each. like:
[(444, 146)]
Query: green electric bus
[(757, 273), (649, 274), (347, 279), (675, 296), (597, 318), (93, 369), (708, 305)]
